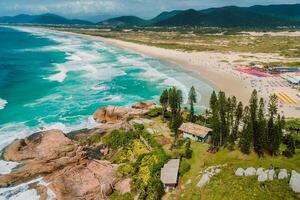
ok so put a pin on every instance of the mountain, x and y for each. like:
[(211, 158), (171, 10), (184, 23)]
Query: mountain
[(43, 19), (229, 16), (285, 11), (124, 21), (164, 16)]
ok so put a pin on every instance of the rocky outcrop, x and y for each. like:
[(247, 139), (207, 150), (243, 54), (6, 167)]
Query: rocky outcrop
[(123, 186), (64, 165), (115, 114), (144, 105)]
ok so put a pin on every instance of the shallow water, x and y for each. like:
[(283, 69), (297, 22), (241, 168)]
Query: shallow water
[(53, 80)]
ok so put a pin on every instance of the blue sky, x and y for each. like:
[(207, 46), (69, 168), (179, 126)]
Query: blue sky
[(93, 9)]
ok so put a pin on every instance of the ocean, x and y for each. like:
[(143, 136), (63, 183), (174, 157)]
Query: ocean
[(53, 80)]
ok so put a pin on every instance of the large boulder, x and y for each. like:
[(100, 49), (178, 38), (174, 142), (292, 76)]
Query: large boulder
[(271, 174), (203, 181), (282, 174), (295, 181), (262, 177), (259, 171), (239, 172), (123, 186), (63, 164), (251, 171), (115, 114), (43, 144)]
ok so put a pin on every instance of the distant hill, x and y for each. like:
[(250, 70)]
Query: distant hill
[(284, 11), (43, 19), (124, 21), (229, 16)]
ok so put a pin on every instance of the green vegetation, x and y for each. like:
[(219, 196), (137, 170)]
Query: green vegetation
[(141, 158), (263, 133), (228, 186)]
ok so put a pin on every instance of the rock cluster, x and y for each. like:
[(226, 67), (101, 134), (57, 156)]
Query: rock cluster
[(115, 114), (208, 174), (270, 175), (63, 164)]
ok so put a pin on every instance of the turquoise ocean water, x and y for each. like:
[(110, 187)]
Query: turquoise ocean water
[(53, 80)]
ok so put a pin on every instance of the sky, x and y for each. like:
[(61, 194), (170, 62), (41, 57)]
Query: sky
[(99, 9)]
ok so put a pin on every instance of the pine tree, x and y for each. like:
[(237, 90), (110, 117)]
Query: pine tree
[(261, 139), (246, 134), (215, 122), (192, 99), (238, 117), (290, 146), (224, 129), (253, 104), (176, 123), (272, 129), (164, 101)]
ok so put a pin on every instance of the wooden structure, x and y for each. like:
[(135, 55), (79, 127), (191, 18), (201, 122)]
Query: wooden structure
[(195, 132), (169, 174)]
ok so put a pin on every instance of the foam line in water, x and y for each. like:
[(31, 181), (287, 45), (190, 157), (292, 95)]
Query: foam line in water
[(3, 103)]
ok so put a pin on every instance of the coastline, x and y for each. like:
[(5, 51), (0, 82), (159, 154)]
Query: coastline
[(210, 66)]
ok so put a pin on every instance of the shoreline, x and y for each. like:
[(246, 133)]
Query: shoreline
[(214, 68), (209, 66)]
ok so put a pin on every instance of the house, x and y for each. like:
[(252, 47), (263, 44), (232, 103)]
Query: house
[(195, 132), (169, 174)]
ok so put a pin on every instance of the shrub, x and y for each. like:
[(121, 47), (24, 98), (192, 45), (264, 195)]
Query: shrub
[(184, 167), (155, 112), (125, 170), (120, 138), (96, 138), (138, 127)]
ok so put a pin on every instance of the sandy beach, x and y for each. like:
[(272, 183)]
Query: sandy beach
[(212, 67), (218, 70)]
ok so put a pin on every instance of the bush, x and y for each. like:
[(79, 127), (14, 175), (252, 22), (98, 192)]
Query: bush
[(155, 112), (120, 138), (184, 167), (96, 138), (138, 127), (125, 170)]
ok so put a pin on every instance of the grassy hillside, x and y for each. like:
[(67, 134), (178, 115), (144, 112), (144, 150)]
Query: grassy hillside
[(228, 186)]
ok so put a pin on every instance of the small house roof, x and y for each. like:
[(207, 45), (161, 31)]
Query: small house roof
[(195, 129), (169, 173)]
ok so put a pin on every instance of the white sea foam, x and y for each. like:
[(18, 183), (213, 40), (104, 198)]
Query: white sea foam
[(6, 167), (23, 191), (3, 103)]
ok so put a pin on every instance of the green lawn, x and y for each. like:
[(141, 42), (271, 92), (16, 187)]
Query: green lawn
[(228, 186)]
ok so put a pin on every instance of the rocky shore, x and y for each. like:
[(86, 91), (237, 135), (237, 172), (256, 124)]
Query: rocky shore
[(64, 162)]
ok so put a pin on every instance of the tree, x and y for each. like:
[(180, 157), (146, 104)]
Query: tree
[(176, 123), (261, 139), (213, 101), (272, 127), (222, 106), (238, 115), (175, 100), (290, 146), (164, 101), (192, 99), (246, 135)]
